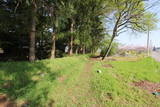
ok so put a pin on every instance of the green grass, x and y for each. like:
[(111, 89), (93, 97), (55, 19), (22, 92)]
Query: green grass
[(114, 87), (33, 82), (74, 82), (75, 92)]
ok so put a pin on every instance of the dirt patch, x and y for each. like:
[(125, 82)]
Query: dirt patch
[(149, 86), (111, 59), (95, 59), (88, 67), (61, 79), (5, 102), (131, 59), (108, 66)]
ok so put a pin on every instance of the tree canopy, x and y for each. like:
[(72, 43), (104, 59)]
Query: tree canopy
[(38, 29)]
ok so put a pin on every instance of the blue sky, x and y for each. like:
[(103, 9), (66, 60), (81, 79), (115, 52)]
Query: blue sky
[(140, 39)]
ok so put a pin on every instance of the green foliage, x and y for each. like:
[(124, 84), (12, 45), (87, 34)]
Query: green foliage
[(131, 14), (150, 21), (114, 48), (84, 20)]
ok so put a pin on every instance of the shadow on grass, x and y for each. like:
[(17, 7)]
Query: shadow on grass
[(16, 80)]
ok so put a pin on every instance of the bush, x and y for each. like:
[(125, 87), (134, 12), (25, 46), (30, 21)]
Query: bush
[(113, 50)]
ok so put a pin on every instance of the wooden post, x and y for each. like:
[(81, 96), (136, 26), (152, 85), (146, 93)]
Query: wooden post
[(148, 50)]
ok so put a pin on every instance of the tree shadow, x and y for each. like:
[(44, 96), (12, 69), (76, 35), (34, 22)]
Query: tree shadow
[(17, 79)]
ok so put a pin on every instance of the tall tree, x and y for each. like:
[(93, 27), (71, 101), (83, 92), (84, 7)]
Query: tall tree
[(70, 7), (32, 7), (127, 14), (56, 9), (79, 24), (32, 50)]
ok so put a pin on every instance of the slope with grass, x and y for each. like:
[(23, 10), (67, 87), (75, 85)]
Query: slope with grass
[(74, 82), (115, 88), (32, 83)]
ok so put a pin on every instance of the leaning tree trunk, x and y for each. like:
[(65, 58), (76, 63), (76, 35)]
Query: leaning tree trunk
[(53, 51), (108, 49), (32, 36), (113, 36), (110, 44), (71, 38)]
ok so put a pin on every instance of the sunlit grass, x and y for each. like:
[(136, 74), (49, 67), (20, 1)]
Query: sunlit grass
[(65, 82), (114, 85)]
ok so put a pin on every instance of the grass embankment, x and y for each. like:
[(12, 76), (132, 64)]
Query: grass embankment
[(74, 82), (34, 83), (114, 86)]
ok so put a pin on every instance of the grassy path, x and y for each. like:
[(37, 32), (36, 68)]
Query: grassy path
[(73, 82), (77, 93)]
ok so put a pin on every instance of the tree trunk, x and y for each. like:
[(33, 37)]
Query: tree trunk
[(113, 36), (77, 50), (92, 51), (71, 38), (53, 51), (32, 37), (71, 46), (109, 48), (84, 50)]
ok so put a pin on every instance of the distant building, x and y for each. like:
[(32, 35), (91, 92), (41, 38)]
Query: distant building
[(131, 50)]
